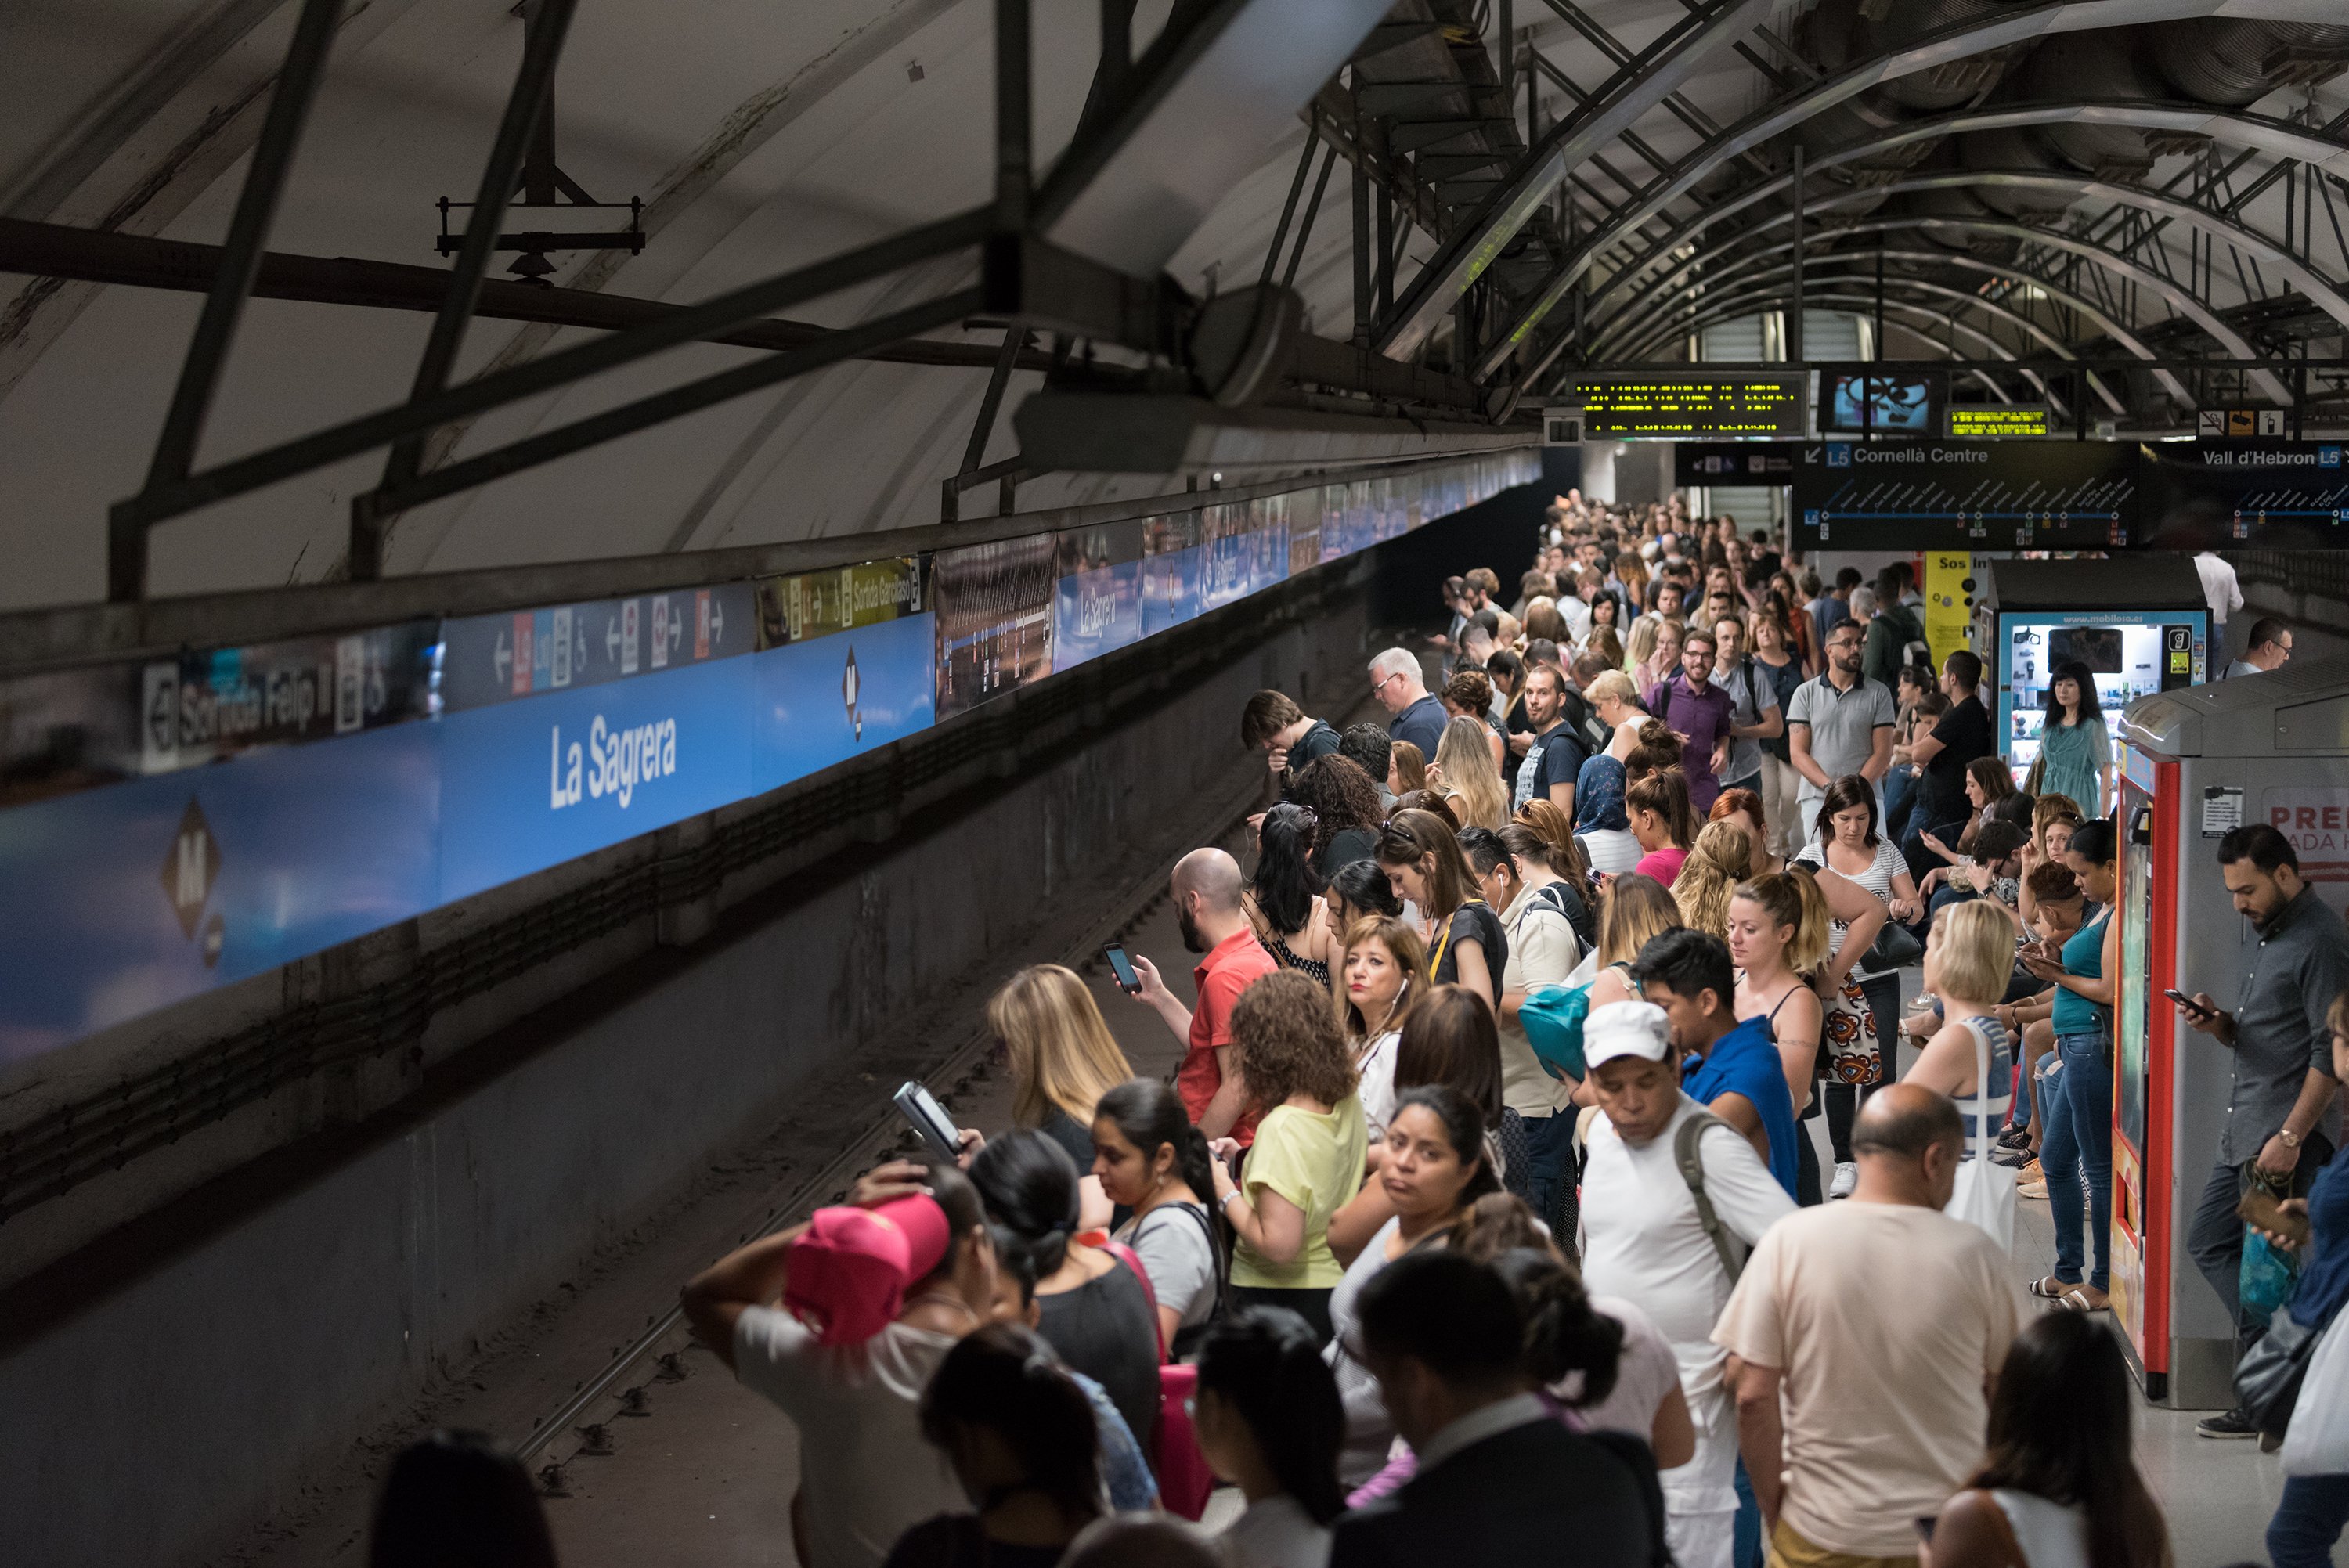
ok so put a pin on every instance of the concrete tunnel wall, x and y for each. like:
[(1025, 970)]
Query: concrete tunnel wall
[(158, 1426)]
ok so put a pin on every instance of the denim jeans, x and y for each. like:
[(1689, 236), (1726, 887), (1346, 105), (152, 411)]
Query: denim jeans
[(1550, 1140), (2308, 1520), (1921, 859), (2075, 1151), (1899, 794)]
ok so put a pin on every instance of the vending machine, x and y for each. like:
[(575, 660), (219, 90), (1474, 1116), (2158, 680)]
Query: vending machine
[(2138, 622), (2193, 765)]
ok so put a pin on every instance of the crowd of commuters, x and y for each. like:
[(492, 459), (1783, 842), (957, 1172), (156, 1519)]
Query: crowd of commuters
[(1481, 1208)]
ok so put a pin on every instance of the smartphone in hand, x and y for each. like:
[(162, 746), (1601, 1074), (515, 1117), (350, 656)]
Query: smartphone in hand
[(930, 1120), (1123, 968), (2189, 1003)]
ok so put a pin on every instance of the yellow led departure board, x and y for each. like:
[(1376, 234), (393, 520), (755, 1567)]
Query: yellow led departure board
[(1691, 407), (1985, 422)]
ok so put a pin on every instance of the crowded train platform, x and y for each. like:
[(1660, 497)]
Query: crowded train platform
[(1173, 784)]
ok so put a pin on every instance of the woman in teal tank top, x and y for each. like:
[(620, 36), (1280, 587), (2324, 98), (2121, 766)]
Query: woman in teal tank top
[(2076, 748), (2077, 1150)]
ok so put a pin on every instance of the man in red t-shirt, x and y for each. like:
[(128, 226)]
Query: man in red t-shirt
[(1206, 888)]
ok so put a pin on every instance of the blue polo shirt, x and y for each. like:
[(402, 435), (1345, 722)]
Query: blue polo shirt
[(1746, 1061)]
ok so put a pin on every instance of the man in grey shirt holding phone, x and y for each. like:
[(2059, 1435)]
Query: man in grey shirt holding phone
[(2279, 1111)]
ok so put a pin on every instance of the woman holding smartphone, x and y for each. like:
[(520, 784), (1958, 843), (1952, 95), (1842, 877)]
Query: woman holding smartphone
[(2077, 1146)]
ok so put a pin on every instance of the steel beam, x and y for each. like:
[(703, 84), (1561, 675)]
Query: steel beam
[(135, 260), (528, 118), (661, 407), (1644, 81), (248, 236), (687, 325), (2006, 24)]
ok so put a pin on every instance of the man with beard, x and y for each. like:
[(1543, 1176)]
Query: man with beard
[(1206, 886), (1839, 723), (2279, 1115)]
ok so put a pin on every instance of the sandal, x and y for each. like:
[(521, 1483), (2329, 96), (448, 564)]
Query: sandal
[(2079, 1299), (2050, 1289)]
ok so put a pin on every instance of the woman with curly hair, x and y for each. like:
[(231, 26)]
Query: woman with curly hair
[(1307, 1158), (1345, 808), (1469, 695)]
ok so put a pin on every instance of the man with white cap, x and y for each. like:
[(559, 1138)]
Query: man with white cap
[(1645, 1238)]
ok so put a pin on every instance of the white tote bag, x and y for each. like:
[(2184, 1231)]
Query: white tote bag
[(1984, 1194), (2317, 1442)]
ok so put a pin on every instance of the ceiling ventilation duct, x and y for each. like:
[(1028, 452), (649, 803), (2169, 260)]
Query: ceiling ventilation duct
[(2110, 64), (1945, 85), (2234, 64), (2020, 149)]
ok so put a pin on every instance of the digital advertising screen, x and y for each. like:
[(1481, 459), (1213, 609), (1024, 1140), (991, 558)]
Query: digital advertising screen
[(1978, 495), (2130, 654), (1693, 408), (1855, 401), (2214, 495)]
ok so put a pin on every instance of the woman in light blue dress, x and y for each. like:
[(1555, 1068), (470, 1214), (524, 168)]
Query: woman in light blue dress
[(2076, 750)]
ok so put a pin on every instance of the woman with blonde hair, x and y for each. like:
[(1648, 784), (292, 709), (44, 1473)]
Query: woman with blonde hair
[(1465, 773), (1715, 865), (1469, 695), (1615, 702), (1063, 1058), (1639, 647), (1633, 911), (1378, 980)]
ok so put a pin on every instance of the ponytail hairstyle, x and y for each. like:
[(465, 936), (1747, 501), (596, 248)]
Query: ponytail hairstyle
[(1542, 831), (1790, 898), (1464, 1129), (1263, 1362), (1564, 1333), (1030, 1186), (1004, 1380), (1657, 751), (1150, 1115), (1666, 794), (1719, 862)]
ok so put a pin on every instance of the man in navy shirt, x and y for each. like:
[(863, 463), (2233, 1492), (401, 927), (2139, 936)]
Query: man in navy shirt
[(1396, 681)]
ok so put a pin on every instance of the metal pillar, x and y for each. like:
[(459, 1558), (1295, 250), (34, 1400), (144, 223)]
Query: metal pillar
[(1795, 317)]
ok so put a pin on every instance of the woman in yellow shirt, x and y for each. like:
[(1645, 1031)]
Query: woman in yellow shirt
[(1308, 1158)]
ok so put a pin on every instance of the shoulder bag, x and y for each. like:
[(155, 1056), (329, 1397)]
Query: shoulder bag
[(1729, 1246), (1184, 1479), (1984, 1193), (2267, 1380)]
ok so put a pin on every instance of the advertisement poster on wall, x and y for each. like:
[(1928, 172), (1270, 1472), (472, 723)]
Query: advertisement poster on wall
[(1096, 592), (1172, 563), (994, 606)]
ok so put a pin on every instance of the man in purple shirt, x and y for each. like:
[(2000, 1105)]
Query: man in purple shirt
[(1698, 711)]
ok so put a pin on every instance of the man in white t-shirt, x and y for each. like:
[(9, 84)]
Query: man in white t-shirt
[(1642, 1239), (1859, 1413), (871, 1296), (2221, 589)]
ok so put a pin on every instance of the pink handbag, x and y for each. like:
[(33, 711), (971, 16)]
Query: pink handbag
[(1184, 1479)]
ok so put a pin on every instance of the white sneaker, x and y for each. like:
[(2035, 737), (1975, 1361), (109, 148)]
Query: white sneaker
[(1846, 1177)]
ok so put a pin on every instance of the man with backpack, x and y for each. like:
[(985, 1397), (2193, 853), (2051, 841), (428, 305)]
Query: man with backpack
[(1896, 636), (1673, 1199), (1754, 716)]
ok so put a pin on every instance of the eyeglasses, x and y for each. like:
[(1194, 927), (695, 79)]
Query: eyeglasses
[(1380, 684)]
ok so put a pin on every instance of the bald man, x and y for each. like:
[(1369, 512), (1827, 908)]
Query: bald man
[(1819, 1316), (1206, 892)]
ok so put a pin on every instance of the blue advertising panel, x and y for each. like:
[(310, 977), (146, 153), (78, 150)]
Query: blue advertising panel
[(530, 784), (128, 898), (824, 700), (1267, 542), (1171, 565), (1096, 591)]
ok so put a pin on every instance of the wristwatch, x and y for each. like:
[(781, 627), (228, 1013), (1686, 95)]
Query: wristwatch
[(2290, 1139)]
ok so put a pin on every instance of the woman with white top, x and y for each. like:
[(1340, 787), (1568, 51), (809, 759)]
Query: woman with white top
[(1149, 1159), (1866, 882), (1434, 1167), (1376, 988), (1269, 1420), (2059, 1488)]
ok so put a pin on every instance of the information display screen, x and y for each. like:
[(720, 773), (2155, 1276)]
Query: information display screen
[(1735, 462), (1879, 402), (2208, 495), (1990, 421), (2130, 654), (1697, 408), (1982, 495)]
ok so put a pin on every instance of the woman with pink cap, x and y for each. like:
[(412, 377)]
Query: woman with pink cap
[(841, 1322)]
